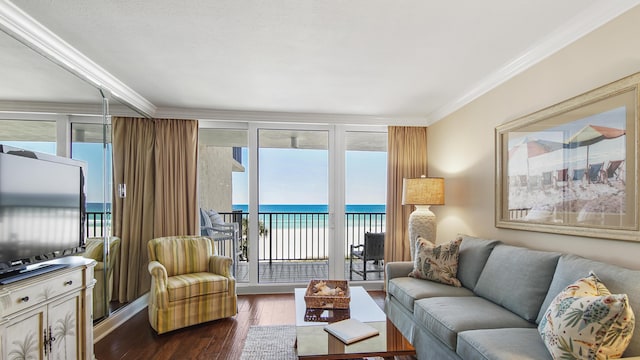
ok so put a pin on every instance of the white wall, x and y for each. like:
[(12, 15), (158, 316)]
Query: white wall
[(461, 146)]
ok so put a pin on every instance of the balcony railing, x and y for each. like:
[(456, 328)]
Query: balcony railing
[(95, 224), (285, 236), (303, 236)]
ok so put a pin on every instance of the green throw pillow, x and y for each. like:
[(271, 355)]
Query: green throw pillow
[(437, 263), (585, 321)]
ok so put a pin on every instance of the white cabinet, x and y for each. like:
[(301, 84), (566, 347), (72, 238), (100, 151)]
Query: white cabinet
[(49, 316)]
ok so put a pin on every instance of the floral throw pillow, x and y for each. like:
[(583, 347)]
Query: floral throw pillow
[(437, 263), (585, 321)]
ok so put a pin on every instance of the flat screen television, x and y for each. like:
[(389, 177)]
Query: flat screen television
[(42, 208)]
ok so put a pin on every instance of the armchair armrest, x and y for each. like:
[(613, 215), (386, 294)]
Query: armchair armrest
[(158, 293), (398, 269), (99, 266), (221, 231), (221, 265)]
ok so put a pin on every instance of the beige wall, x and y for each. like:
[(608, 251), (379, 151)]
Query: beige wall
[(215, 166), (461, 146)]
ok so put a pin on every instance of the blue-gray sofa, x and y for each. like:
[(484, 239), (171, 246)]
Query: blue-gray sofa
[(504, 295)]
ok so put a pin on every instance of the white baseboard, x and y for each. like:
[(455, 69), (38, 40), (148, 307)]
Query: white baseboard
[(119, 317)]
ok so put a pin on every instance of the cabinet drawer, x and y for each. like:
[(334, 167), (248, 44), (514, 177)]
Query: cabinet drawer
[(24, 297)]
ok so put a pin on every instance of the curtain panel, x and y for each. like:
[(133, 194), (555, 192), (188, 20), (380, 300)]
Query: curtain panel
[(157, 160), (407, 158)]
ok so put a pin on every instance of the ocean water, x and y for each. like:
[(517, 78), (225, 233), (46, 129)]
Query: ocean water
[(97, 207), (292, 208), (310, 208), (286, 217)]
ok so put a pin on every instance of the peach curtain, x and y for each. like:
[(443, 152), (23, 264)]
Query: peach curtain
[(407, 158), (157, 160)]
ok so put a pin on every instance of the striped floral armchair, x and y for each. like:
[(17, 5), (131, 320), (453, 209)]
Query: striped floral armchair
[(190, 283)]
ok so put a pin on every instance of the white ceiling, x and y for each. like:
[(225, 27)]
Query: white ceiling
[(413, 59)]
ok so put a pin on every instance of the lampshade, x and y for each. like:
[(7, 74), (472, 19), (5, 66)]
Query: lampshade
[(423, 191)]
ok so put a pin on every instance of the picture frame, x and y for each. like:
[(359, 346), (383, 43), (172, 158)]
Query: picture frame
[(572, 168)]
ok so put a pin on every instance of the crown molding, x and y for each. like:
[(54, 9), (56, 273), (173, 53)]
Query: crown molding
[(589, 20), (42, 109), (287, 117), (28, 31)]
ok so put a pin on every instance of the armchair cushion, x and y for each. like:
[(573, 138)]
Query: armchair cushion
[(186, 286), (183, 255)]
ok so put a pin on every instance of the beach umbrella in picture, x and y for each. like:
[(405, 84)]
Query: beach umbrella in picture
[(590, 135), (531, 147)]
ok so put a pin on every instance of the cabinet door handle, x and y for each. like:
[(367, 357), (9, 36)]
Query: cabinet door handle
[(24, 299), (68, 282), (51, 340), (46, 341)]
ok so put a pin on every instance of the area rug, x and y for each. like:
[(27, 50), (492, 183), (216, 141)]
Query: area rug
[(272, 343)]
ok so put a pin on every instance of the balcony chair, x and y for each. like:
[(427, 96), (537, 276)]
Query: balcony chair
[(190, 283), (213, 226), (371, 250), (94, 250)]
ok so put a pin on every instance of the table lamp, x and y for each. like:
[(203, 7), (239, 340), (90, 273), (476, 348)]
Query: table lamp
[(422, 192)]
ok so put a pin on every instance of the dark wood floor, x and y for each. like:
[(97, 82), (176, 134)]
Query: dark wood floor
[(221, 339)]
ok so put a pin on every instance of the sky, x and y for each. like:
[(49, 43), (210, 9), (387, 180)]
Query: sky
[(299, 176)]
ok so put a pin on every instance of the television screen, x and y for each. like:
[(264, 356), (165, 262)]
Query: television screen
[(41, 207)]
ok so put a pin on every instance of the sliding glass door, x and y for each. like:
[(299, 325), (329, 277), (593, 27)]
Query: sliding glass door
[(302, 194), (365, 198), (293, 211), (223, 186)]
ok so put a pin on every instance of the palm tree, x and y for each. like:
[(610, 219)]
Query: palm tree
[(262, 231), (63, 328), (27, 350)]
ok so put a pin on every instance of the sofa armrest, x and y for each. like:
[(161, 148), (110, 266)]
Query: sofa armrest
[(221, 265), (398, 269)]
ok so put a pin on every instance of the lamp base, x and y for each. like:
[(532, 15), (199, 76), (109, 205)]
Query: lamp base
[(422, 222)]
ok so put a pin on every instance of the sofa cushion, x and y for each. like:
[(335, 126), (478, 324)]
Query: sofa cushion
[(474, 253), (617, 279), (502, 344), (407, 290), (517, 278), (436, 263), (445, 317), (215, 217), (186, 286), (585, 319)]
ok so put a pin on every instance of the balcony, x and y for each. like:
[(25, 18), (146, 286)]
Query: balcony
[(292, 247)]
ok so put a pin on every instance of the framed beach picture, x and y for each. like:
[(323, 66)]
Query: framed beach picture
[(572, 168)]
